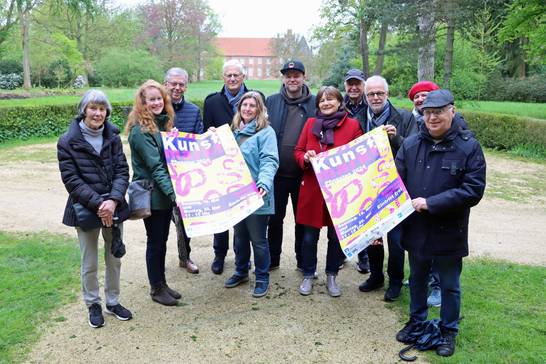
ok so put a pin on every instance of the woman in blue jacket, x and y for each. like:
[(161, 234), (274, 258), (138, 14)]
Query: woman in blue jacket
[(258, 145)]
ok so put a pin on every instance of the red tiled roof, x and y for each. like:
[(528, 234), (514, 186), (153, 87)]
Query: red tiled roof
[(254, 47)]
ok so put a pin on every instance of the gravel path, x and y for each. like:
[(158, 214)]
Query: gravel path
[(214, 324)]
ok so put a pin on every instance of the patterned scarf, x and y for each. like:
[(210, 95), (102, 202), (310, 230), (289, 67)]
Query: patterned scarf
[(234, 100), (324, 126), (377, 120)]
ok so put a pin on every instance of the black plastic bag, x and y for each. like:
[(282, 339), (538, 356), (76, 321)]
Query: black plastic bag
[(117, 248), (426, 335)]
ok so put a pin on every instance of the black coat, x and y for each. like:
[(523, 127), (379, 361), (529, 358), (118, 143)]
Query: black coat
[(450, 175), (216, 109), (87, 175), (401, 119)]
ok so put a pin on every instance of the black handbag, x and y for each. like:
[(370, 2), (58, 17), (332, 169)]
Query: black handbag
[(140, 199), (85, 218)]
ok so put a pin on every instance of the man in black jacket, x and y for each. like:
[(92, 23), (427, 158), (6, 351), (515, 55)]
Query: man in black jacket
[(399, 124), (187, 118), (219, 109), (443, 168), (288, 111)]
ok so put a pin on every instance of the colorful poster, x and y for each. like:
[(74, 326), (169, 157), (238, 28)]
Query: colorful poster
[(363, 192), (214, 188)]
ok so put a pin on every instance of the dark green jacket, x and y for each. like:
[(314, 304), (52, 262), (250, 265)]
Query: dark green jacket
[(148, 161)]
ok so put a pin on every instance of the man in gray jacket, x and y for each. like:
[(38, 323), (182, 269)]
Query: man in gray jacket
[(288, 111)]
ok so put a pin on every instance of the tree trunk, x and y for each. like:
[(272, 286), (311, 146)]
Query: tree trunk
[(448, 60), (381, 48), (427, 48), (364, 52), (26, 49)]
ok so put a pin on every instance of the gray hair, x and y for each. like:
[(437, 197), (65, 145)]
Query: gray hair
[(94, 96), (234, 63), (176, 71), (376, 79)]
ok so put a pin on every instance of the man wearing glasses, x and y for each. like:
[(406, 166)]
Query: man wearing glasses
[(219, 109), (187, 119), (443, 168), (398, 124)]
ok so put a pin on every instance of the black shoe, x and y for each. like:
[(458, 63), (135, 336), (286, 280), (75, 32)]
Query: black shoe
[(448, 347), (393, 292), (371, 284), (159, 294), (119, 311), (363, 266), (403, 335), (95, 316), (217, 265), (174, 294)]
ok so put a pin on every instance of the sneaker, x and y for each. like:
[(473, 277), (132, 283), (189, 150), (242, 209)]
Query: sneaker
[(448, 347), (95, 316), (342, 265), (306, 286), (119, 311), (435, 298), (217, 265), (371, 284), (392, 293), (235, 280), (260, 289), (363, 266), (403, 335)]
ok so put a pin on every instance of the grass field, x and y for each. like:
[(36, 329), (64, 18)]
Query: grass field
[(40, 272), (199, 90), (504, 314)]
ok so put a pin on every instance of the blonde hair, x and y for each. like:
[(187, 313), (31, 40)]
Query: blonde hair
[(261, 116), (140, 115)]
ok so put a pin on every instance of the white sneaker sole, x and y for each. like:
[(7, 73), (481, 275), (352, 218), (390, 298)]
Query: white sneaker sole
[(94, 326), (118, 317)]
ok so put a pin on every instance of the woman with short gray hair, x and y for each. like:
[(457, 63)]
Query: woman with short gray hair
[(95, 173)]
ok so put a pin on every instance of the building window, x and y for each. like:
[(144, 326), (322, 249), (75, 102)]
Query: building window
[(250, 60), (260, 73), (268, 61), (267, 72), (259, 60), (251, 72), (242, 61)]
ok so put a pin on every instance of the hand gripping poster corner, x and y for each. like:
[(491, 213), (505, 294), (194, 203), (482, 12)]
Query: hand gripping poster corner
[(214, 188), (364, 194)]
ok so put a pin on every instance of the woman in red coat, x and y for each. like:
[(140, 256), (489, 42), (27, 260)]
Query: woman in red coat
[(330, 129)]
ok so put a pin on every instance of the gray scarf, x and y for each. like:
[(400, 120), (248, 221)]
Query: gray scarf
[(377, 120)]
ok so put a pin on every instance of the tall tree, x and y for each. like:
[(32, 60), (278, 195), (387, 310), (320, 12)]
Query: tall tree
[(426, 26)]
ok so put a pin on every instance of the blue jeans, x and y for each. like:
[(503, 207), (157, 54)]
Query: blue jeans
[(157, 232), (449, 270), (252, 230), (334, 254), (284, 188), (395, 264)]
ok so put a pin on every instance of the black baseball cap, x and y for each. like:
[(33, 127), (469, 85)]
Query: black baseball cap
[(293, 65), (356, 74), (438, 98)]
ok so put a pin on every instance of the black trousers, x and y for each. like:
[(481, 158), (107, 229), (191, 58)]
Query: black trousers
[(395, 264), (157, 232)]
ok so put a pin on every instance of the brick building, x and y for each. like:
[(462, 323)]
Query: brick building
[(256, 54)]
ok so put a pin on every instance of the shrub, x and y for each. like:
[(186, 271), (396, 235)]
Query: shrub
[(59, 74), (529, 89), (10, 81), (8, 66), (127, 68)]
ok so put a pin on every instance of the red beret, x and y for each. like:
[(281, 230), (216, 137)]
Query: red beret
[(420, 87)]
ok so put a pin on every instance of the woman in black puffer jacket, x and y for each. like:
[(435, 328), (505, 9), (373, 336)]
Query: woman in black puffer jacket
[(96, 175)]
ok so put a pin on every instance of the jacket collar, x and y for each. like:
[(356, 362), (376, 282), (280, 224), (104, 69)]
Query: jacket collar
[(76, 139)]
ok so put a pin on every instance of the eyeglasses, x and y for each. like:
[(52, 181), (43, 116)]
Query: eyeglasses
[(233, 75), (436, 110), (174, 84), (378, 94)]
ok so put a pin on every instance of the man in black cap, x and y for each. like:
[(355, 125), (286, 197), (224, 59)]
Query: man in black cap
[(288, 111), (443, 168), (355, 104)]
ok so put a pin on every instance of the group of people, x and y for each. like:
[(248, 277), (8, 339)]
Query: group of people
[(438, 158)]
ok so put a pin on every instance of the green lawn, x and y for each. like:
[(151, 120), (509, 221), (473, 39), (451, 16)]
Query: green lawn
[(39, 273), (199, 90), (504, 314)]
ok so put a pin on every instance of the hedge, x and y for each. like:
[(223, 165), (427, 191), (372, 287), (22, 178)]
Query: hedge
[(503, 132)]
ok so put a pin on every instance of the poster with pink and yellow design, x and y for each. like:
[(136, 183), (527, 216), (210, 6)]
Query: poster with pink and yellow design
[(214, 188), (364, 194)]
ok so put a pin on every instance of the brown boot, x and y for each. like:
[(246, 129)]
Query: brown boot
[(160, 295), (174, 294)]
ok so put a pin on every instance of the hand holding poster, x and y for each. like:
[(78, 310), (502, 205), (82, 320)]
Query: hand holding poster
[(214, 188), (363, 192)]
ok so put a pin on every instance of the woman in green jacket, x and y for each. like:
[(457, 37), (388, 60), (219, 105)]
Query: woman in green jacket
[(152, 112)]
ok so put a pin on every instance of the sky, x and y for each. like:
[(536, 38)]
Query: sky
[(261, 18)]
